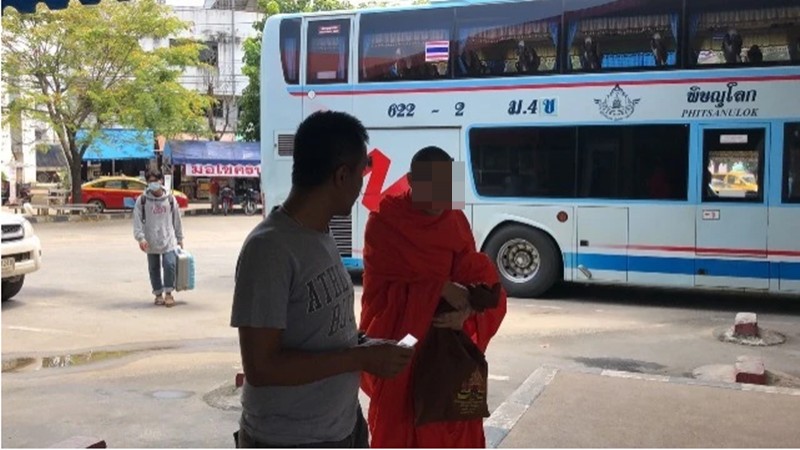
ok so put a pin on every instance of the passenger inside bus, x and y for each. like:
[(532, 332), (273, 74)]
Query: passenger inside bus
[(591, 58), (659, 47), (754, 55), (732, 47)]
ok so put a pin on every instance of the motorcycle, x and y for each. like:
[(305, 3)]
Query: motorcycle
[(250, 201), (227, 198)]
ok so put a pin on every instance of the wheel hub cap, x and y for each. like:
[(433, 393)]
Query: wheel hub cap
[(518, 260)]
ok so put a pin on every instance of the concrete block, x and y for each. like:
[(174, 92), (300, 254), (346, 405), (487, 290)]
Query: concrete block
[(81, 442), (746, 324), (239, 380), (750, 370)]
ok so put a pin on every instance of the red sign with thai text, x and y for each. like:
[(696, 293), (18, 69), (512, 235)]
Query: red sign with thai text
[(223, 170)]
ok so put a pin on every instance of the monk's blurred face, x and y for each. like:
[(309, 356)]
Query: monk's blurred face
[(432, 186)]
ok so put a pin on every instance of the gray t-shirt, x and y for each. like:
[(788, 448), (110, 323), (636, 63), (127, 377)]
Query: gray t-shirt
[(292, 278)]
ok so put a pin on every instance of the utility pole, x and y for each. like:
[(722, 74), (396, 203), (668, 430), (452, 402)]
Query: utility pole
[(234, 102)]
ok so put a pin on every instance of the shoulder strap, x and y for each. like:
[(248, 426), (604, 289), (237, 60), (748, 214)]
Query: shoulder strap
[(144, 199)]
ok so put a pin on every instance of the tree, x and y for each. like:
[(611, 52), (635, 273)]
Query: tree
[(83, 68)]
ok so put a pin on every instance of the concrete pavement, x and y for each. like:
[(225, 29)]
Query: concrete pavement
[(557, 408)]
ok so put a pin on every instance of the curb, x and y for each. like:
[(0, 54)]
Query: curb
[(505, 417), (79, 218), (72, 218)]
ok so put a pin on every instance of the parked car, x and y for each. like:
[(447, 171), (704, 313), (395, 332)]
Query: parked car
[(21, 252), (112, 192)]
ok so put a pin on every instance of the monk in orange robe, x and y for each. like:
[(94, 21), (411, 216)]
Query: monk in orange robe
[(419, 250)]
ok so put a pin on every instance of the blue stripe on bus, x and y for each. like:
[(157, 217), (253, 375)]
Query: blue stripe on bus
[(734, 268), (689, 266)]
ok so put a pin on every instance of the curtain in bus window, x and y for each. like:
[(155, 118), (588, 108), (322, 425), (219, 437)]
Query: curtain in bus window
[(573, 31), (740, 36), (340, 73), (290, 56), (554, 28), (366, 48)]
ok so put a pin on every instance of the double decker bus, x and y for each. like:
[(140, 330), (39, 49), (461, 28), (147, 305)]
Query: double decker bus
[(632, 142)]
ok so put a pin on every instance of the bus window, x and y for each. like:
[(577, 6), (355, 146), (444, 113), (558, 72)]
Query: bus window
[(733, 165), (523, 162), (622, 34), (290, 50), (743, 32), (507, 39), (645, 162), (791, 163), (328, 51), (405, 45)]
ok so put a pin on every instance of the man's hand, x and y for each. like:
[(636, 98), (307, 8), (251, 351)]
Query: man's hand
[(180, 244), (385, 360), (456, 295), (144, 246), (483, 297), (453, 319)]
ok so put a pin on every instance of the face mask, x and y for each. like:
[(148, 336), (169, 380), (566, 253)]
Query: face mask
[(154, 186)]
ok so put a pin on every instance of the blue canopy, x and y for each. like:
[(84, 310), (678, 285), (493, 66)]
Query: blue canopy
[(119, 144), (212, 152), (29, 6)]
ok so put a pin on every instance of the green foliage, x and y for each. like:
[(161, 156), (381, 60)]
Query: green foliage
[(84, 67)]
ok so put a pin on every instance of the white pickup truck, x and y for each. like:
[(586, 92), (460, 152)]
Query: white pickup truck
[(21, 252)]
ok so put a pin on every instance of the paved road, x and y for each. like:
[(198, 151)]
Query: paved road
[(165, 378)]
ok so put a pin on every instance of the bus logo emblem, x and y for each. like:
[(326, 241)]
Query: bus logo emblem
[(617, 105)]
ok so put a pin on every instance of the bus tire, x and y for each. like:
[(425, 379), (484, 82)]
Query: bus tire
[(527, 260)]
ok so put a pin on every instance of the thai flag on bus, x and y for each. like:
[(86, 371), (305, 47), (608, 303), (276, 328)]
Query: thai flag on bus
[(437, 51)]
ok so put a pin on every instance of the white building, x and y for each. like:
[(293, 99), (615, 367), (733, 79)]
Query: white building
[(224, 31), (221, 28)]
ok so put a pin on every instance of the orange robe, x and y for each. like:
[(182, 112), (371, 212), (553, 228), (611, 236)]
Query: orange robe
[(408, 257)]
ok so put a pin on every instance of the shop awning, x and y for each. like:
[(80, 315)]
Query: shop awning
[(213, 152), (119, 144)]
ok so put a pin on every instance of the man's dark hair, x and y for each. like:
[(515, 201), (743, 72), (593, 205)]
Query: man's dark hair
[(430, 154), (323, 142), (154, 174)]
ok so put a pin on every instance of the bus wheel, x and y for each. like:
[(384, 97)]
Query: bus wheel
[(526, 258)]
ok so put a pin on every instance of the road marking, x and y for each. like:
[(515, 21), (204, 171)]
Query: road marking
[(46, 330), (508, 414), (499, 377)]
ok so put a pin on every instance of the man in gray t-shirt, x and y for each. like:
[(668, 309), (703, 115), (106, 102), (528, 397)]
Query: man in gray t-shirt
[(294, 304)]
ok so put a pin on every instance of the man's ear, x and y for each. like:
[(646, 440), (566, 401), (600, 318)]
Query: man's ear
[(340, 176), (409, 178)]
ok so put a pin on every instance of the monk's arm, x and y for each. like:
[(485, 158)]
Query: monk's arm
[(266, 363)]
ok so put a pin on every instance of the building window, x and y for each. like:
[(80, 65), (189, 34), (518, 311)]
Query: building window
[(640, 162), (508, 40), (407, 45), (734, 32), (210, 53), (328, 51), (290, 50), (791, 163), (623, 34)]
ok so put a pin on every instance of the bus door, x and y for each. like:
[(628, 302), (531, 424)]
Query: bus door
[(602, 244), (327, 74), (732, 218)]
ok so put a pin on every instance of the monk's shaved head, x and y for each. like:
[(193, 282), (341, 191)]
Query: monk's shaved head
[(430, 154)]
